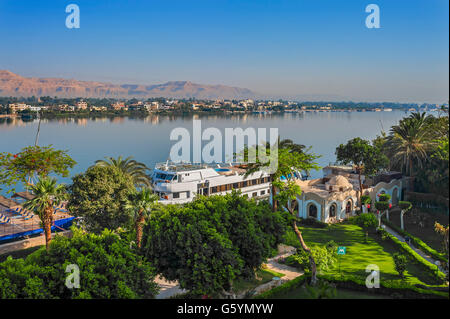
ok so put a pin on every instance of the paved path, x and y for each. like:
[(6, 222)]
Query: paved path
[(420, 252), (171, 288), (289, 272), (273, 264)]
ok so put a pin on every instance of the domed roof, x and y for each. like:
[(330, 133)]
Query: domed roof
[(339, 181)]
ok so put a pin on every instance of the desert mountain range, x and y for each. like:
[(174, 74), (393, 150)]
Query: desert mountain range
[(12, 84)]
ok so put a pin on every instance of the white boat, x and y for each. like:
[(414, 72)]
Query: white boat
[(178, 183)]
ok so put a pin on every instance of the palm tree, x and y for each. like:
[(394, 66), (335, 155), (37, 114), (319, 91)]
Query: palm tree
[(285, 144), (47, 194), (130, 167), (409, 142), (141, 203)]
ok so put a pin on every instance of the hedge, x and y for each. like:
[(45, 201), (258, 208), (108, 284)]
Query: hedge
[(417, 242), (389, 288), (286, 287), (422, 261)]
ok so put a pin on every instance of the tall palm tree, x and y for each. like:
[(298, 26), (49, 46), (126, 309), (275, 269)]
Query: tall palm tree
[(409, 142), (141, 203), (137, 170), (47, 194), (285, 144)]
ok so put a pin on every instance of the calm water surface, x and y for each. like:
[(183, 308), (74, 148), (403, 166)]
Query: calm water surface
[(147, 139)]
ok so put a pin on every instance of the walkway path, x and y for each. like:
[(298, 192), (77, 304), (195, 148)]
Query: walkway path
[(288, 272), (420, 252)]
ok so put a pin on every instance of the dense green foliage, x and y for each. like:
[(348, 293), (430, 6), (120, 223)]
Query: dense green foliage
[(100, 196), (382, 206), (324, 256), (109, 268), (136, 170), (209, 242), (418, 146)]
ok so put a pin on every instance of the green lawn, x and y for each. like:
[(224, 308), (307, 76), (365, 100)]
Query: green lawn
[(360, 254), (263, 276)]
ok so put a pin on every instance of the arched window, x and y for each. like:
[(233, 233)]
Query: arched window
[(312, 211), (333, 210), (348, 207)]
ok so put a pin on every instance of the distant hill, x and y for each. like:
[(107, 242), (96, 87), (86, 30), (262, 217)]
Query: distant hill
[(12, 84)]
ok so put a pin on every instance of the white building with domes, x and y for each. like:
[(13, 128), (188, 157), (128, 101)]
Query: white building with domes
[(334, 197)]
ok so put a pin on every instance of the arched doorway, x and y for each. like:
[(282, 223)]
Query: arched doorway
[(395, 196), (332, 211), (312, 211), (348, 207)]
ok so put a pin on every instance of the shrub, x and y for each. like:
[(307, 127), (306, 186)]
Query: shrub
[(109, 268), (384, 197), (382, 206), (324, 256), (365, 199), (400, 263)]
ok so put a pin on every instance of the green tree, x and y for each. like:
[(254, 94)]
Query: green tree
[(32, 162), (108, 269), (252, 228), (100, 196), (137, 170), (47, 193), (206, 244), (141, 203), (409, 142), (184, 246), (366, 158), (400, 262), (290, 159)]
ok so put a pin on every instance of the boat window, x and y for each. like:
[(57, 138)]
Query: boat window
[(176, 195)]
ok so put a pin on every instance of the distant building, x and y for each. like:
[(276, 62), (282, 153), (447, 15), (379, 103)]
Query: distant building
[(17, 107), (81, 105)]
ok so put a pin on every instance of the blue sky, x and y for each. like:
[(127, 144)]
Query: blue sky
[(293, 47)]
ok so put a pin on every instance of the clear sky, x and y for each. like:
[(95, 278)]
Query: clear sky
[(284, 47)]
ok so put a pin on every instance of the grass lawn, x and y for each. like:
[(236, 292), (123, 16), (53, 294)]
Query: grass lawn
[(361, 254), (263, 276)]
